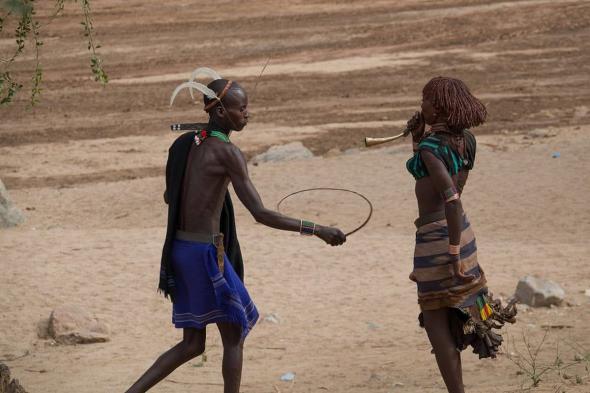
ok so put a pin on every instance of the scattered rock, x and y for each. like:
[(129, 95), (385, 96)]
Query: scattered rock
[(540, 133), (587, 292), (580, 111), (375, 379), (537, 292), (523, 308), (7, 385), (43, 329), (372, 325), (74, 325), (290, 151), (333, 152), (352, 150), (9, 215), (288, 377), (272, 318)]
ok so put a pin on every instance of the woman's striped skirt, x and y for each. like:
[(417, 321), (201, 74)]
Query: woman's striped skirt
[(433, 270), (472, 311)]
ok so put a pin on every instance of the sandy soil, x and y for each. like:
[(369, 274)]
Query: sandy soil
[(86, 166)]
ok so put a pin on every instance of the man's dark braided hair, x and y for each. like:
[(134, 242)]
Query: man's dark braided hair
[(452, 97)]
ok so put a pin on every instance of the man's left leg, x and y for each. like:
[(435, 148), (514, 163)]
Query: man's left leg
[(233, 348)]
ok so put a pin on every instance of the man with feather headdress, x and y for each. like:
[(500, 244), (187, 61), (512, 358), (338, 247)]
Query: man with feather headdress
[(204, 284)]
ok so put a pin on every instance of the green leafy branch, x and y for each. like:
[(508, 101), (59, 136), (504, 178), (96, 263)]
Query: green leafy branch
[(95, 61), (38, 73), (29, 28), (8, 86)]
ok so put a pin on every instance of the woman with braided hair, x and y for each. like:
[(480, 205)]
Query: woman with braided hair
[(456, 309)]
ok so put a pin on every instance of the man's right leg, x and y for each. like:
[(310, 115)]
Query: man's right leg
[(191, 346), (233, 348)]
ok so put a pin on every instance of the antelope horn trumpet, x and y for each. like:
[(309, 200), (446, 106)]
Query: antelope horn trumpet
[(377, 141)]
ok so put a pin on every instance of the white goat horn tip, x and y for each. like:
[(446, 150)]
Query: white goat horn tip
[(199, 86), (203, 70)]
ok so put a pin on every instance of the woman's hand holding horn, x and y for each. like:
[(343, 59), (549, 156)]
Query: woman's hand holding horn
[(416, 127)]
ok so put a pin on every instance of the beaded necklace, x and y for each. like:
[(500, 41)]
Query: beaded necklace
[(200, 136)]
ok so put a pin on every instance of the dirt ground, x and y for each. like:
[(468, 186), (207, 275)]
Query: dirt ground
[(86, 165)]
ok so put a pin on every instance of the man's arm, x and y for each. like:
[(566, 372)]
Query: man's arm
[(238, 172)]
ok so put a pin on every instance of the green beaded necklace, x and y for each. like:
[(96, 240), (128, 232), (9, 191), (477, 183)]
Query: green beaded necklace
[(200, 136)]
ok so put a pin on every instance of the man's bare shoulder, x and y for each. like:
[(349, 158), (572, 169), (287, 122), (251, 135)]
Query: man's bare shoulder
[(231, 152), (232, 157)]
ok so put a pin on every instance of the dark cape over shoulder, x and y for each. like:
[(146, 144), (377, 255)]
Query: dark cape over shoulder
[(175, 167)]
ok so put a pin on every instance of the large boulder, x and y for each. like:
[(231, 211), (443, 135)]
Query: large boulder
[(74, 325), (9, 215), (290, 151), (537, 292), (6, 384)]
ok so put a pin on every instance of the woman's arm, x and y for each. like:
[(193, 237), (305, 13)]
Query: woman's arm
[(443, 184), (248, 195), (462, 180)]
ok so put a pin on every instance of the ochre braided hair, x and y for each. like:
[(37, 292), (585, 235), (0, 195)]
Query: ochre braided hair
[(452, 97)]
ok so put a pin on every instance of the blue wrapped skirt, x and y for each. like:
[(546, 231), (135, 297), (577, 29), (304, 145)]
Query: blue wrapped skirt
[(203, 294)]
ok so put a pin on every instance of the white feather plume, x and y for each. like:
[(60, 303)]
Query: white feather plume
[(205, 71), (193, 85)]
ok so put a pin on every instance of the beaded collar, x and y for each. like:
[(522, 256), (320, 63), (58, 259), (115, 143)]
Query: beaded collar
[(201, 135)]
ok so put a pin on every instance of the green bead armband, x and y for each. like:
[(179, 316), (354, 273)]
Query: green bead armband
[(307, 228)]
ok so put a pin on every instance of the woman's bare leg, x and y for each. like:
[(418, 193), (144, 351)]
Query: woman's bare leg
[(448, 358), (191, 346), (233, 348)]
